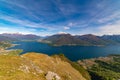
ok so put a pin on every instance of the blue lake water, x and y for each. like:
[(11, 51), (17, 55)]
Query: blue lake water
[(74, 53)]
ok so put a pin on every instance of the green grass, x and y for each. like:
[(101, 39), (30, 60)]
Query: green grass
[(11, 52), (5, 44), (106, 70)]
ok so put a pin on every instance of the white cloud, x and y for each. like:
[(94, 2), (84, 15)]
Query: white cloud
[(115, 15), (61, 32), (27, 23), (9, 29), (21, 22), (110, 28), (66, 28), (70, 24)]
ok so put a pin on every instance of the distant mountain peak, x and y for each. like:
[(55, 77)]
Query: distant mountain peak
[(19, 36), (62, 34), (89, 35)]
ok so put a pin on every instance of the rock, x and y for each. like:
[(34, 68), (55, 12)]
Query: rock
[(52, 76), (24, 68)]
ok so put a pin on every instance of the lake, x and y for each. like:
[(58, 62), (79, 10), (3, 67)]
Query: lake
[(74, 53)]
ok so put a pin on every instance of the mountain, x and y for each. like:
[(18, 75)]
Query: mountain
[(36, 66), (83, 40), (113, 38), (103, 68), (21, 36), (64, 39), (67, 39), (5, 38), (93, 39)]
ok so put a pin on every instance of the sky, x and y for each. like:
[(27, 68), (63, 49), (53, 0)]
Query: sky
[(48, 17)]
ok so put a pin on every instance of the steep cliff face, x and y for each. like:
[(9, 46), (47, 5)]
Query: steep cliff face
[(34, 66)]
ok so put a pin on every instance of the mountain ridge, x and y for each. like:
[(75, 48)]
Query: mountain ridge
[(82, 40), (17, 36), (65, 39)]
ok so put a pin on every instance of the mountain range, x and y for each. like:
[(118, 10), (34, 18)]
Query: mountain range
[(83, 40), (65, 39), (17, 36), (5, 38)]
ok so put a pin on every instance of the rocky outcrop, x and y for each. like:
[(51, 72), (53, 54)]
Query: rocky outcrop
[(52, 76)]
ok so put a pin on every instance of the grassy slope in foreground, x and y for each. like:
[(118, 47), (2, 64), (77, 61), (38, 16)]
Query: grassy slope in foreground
[(34, 66)]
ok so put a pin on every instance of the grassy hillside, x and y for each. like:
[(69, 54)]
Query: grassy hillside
[(34, 66), (104, 68), (17, 68), (74, 65)]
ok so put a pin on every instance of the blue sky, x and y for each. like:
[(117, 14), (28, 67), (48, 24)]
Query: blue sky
[(47, 17)]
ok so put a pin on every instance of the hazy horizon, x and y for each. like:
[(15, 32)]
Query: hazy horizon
[(48, 17), (58, 33)]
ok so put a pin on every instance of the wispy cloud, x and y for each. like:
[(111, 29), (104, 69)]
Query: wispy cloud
[(21, 22), (114, 16), (52, 16), (66, 28), (26, 23), (61, 32), (6, 29), (110, 28), (28, 27)]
